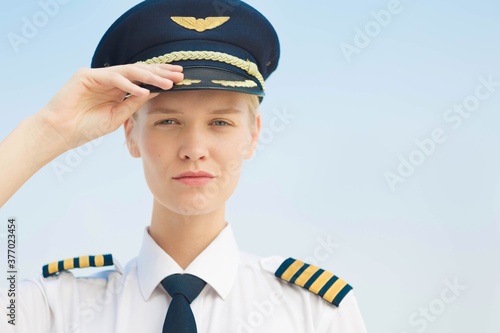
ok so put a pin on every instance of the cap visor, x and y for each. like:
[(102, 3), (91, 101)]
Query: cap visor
[(202, 77)]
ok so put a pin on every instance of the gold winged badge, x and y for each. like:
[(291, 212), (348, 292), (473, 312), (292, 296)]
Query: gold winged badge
[(200, 24)]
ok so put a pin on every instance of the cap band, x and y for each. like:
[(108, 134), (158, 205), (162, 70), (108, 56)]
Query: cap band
[(245, 65)]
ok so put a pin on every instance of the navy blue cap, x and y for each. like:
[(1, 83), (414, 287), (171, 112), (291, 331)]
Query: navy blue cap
[(222, 44)]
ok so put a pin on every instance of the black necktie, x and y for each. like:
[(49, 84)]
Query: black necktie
[(183, 288)]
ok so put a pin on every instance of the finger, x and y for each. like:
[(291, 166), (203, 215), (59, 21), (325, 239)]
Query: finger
[(162, 70), (128, 107), (159, 76), (127, 86), (169, 67), (152, 76), (156, 76), (173, 76)]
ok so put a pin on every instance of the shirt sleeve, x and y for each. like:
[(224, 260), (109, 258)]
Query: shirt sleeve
[(61, 303), (346, 319), (26, 309)]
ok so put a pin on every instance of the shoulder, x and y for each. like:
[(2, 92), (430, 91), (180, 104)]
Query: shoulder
[(294, 276), (304, 277), (319, 297), (56, 267), (61, 296), (84, 274)]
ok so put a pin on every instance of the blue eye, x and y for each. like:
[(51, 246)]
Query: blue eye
[(220, 123), (166, 122)]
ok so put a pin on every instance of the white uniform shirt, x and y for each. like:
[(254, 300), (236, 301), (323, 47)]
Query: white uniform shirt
[(242, 295)]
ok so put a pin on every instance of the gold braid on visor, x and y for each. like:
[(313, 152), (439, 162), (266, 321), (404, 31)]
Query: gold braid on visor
[(245, 65)]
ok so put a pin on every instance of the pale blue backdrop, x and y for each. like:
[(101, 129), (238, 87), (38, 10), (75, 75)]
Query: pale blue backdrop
[(384, 168)]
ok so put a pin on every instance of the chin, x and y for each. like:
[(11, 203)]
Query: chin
[(191, 205)]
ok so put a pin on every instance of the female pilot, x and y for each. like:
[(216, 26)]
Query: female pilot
[(185, 78)]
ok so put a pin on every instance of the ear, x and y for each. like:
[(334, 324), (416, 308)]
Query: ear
[(255, 137), (128, 126)]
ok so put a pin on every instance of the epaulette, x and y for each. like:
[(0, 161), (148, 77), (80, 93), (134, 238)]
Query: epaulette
[(78, 262), (318, 281)]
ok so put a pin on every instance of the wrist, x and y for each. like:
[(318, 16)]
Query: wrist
[(43, 141)]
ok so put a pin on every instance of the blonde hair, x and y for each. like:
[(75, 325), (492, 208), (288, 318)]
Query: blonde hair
[(253, 107)]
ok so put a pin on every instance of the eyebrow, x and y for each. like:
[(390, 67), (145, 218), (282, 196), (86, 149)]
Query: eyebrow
[(225, 111), (171, 111), (163, 111)]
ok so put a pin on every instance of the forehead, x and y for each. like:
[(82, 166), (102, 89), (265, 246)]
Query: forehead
[(199, 99)]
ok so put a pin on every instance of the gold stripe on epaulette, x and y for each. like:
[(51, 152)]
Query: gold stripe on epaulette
[(68, 264), (79, 262), (306, 275), (84, 261), (290, 272), (99, 260), (318, 281), (334, 290), (53, 267)]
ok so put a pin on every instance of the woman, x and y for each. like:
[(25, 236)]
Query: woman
[(184, 77)]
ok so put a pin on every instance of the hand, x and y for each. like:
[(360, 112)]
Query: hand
[(92, 103)]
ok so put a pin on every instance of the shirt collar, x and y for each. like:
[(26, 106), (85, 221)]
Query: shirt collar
[(217, 264)]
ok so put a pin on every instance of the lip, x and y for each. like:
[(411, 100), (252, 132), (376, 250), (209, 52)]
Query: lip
[(194, 178), (194, 174)]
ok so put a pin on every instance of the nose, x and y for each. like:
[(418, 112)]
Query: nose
[(193, 145)]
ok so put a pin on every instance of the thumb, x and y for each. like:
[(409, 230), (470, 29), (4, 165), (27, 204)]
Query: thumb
[(129, 106)]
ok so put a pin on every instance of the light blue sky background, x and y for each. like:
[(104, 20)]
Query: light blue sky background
[(322, 177)]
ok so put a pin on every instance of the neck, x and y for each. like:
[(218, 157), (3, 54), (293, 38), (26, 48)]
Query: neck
[(184, 237)]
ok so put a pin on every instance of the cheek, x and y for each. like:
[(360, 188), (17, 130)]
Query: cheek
[(154, 151), (236, 153), (150, 143), (246, 146), (234, 149)]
